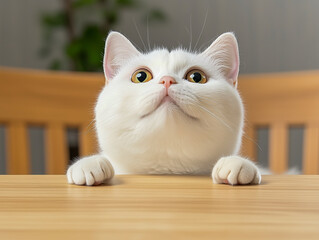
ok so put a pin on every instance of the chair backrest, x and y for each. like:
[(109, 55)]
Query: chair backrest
[(279, 101), (56, 100)]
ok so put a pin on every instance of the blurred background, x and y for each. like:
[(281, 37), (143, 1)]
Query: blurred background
[(273, 36)]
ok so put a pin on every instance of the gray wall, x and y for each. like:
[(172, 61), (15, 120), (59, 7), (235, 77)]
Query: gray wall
[(273, 35), (21, 32)]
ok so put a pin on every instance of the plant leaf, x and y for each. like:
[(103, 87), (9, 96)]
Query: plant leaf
[(54, 20), (125, 3), (83, 3)]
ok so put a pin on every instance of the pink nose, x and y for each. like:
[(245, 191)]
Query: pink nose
[(167, 81)]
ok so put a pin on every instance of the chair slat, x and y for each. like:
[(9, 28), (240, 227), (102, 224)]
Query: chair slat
[(18, 149), (249, 144), (88, 144), (311, 149), (278, 148), (56, 149)]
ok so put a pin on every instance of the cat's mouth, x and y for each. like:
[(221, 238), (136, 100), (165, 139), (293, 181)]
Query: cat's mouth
[(167, 100)]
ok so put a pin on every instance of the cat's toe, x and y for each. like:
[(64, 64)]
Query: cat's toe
[(249, 174), (235, 170), (76, 175), (69, 175)]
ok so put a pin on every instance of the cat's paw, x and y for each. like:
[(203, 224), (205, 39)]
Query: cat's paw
[(90, 171), (235, 170)]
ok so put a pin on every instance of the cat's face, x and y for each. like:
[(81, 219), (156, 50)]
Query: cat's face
[(169, 98)]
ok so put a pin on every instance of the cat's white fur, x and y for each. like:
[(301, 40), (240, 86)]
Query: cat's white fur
[(199, 132)]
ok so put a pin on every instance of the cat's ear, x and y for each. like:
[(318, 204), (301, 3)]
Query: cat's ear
[(223, 53), (118, 50)]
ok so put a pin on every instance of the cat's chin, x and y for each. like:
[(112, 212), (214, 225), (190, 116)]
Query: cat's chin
[(169, 103)]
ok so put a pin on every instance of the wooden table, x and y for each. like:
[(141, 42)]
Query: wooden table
[(158, 207)]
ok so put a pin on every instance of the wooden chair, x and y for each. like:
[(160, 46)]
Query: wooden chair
[(54, 100), (278, 101), (57, 100)]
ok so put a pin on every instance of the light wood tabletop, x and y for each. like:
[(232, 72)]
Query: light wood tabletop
[(158, 207)]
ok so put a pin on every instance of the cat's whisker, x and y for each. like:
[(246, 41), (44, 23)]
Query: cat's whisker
[(191, 33), (193, 101), (137, 47), (201, 32), (186, 29), (191, 111), (249, 138), (148, 34), (90, 127), (252, 140), (139, 34), (205, 44), (216, 117)]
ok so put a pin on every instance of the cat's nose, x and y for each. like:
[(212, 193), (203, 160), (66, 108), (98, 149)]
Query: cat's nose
[(167, 81)]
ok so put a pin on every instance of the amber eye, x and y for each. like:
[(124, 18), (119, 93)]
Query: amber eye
[(196, 76), (141, 75)]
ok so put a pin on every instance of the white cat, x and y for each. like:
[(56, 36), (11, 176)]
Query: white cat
[(168, 112)]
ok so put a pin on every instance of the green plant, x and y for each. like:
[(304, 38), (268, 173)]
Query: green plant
[(86, 36)]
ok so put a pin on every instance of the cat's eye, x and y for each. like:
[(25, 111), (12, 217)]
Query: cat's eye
[(196, 76), (141, 75)]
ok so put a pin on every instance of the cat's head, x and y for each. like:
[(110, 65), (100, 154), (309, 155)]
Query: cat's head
[(169, 94)]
